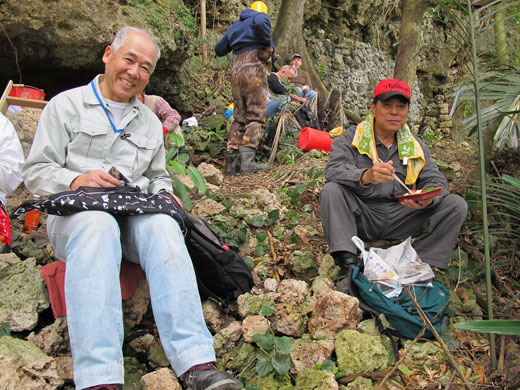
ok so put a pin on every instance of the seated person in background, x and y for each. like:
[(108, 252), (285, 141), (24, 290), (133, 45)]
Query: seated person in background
[(168, 116), (359, 196), (81, 134), (278, 94), (302, 80), (11, 161)]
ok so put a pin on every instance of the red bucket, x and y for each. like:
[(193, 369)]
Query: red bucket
[(27, 92), (310, 138)]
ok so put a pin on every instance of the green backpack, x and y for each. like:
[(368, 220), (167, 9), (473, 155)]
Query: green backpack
[(400, 311)]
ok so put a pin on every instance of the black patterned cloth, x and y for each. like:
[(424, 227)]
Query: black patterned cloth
[(124, 200)]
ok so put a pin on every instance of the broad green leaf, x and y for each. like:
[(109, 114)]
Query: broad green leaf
[(273, 215), (251, 387), (177, 139), (328, 365), (183, 158), (264, 341), (263, 367), (261, 236), (405, 370), (260, 249), (511, 180), (281, 364), (177, 167), (511, 327), (250, 263), (197, 178), (5, 329), (258, 221), (266, 311), (171, 153), (179, 189), (284, 343)]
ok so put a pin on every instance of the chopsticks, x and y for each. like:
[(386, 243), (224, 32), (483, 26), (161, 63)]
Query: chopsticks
[(399, 180)]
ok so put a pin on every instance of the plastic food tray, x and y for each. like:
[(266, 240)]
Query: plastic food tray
[(422, 195)]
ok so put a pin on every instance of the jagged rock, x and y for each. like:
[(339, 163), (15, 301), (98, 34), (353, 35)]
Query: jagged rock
[(161, 379), (258, 203), (360, 383), (186, 180), (227, 337), (305, 232), (24, 366), (211, 173), (65, 367), (292, 291), (242, 357), (22, 292), (332, 313), (156, 355), (306, 353), (308, 378), (358, 352), (254, 325), (327, 266), (134, 309), (207, 208), (423, 355), (134, 370), (53, 339), (303, 264), (249, 305), (214, 317), (290, 319), (272, 382), (270, 285), (322, 285), (142, 345)]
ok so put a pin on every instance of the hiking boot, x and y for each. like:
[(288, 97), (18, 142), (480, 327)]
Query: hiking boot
[(247, 161), (231, 162), (346, 261), (207, 377), (113, 386)]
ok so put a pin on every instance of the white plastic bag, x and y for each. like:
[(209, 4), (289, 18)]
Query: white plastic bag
[(395, 266)]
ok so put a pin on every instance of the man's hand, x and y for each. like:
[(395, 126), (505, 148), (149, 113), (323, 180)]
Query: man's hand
[(416, 205), (96, 178), (381, 172)]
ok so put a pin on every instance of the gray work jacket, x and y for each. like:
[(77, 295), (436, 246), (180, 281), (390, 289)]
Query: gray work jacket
[(74, 137)]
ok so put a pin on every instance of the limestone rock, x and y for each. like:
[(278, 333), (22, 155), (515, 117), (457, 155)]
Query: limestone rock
[(53, 339), (65, 367), (156, 355), (214, 317), (211, 173), (24, 366), (358, 352), (291, 321), (292, 291), (332, 313), (423, 355), (207, 208), (272, 382), (306, 353), (226, 338), (254, 325), (309, 378), (258, 203), (22, 292), (252, 304), (162, 379), (134, 309), (134, 370), (360, 383), (303, 264)]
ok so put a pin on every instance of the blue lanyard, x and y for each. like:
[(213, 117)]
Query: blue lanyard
[(116, 130)]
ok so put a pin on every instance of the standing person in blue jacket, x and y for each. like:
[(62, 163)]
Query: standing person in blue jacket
[(249, 39)]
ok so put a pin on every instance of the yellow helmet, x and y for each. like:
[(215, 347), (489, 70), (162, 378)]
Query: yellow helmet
[(259, 6)]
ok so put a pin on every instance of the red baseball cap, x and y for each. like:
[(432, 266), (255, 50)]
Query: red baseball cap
[(392, 87)]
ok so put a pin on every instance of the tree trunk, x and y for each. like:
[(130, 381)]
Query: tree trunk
[(288, 39), (203, 32), (409, 40)]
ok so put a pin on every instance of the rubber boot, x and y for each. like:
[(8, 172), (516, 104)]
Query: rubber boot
[(247, 161), (231, 162), (346, 261)]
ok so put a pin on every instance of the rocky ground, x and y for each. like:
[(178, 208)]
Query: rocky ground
[(317, 332)]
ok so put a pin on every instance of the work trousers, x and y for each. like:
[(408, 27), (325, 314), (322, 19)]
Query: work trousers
[(435, 228), (92, 243), (249, 72)]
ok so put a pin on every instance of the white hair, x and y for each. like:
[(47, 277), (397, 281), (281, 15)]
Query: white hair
[(120, 39)]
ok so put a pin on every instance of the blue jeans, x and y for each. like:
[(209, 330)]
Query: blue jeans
[(274, 106), (92, 244), (310, 95)]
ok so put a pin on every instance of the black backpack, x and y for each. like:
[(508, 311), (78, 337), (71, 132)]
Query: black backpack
[(221, 273), (306, 118)]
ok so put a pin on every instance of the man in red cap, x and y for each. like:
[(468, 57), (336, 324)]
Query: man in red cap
[(359, 198)]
